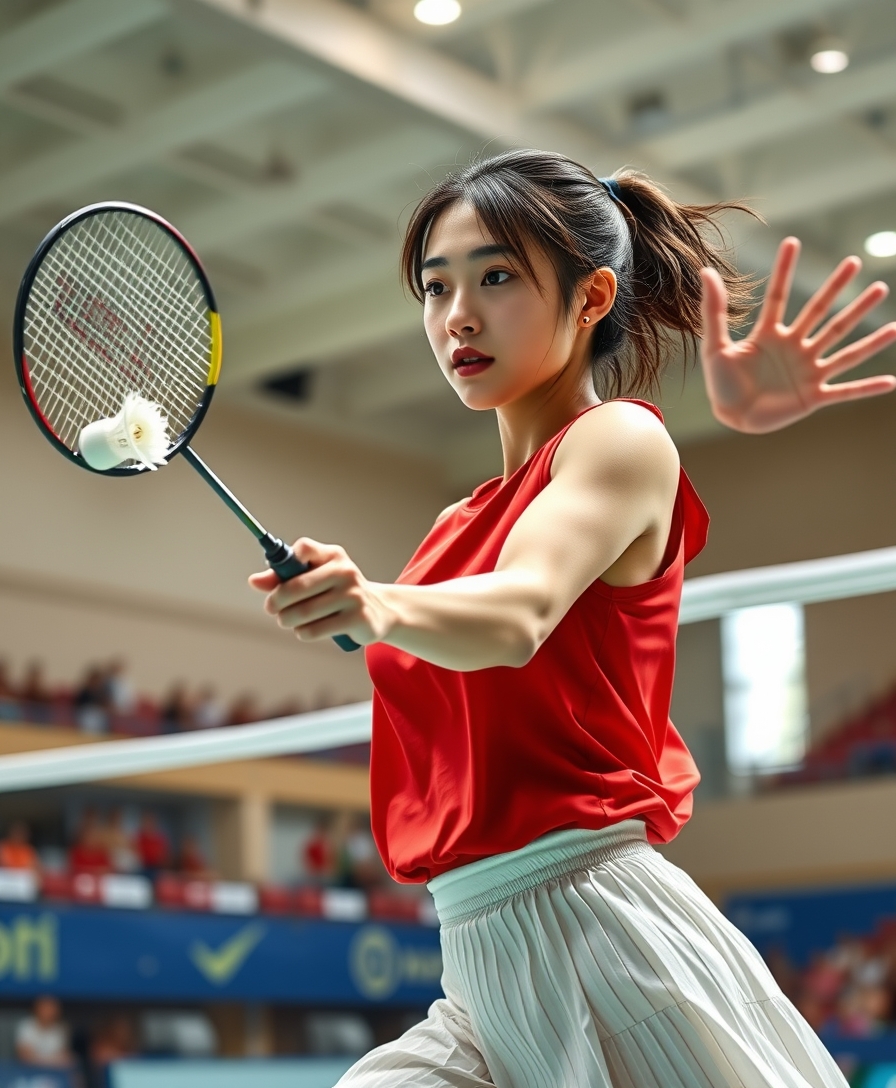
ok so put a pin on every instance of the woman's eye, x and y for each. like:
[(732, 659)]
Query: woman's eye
[(495, 272), (431, 288)]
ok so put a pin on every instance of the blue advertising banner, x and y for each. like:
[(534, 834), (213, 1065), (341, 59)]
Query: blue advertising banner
[(798, 923), (13, 1075), (100, 953)]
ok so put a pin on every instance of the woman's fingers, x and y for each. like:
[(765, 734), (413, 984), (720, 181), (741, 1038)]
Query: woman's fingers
[(819, 304), (714, 310), (310, 584), (853, 354), (849, 317), (863, 387), (777, 293), (264, 580), (318, 607)]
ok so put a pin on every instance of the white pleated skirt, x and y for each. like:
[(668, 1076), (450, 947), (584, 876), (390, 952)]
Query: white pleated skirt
[(587, 960)]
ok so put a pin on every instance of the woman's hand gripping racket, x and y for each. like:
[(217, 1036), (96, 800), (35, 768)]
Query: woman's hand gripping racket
[(117, 344)]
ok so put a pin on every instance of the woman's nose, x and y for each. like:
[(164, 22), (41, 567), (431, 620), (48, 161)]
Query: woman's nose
[(461, 318)]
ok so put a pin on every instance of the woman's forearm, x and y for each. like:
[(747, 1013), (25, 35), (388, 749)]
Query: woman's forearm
[(468, 623)]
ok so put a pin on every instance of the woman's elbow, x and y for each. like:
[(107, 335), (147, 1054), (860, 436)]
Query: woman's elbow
[(528, 640)]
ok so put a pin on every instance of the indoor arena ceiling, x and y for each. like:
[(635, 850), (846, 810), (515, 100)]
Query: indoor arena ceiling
[(289, 139)]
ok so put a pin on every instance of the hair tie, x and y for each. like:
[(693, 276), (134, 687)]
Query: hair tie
[(612, 187)]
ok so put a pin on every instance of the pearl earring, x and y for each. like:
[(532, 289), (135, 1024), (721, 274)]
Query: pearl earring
[(585, 320)]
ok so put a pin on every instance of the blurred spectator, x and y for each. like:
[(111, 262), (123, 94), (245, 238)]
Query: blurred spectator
[(117, 689), (863, 1011), (358, 864), (288, 709), (88, 853), (210, 712), (318, 855), (6, 688), (190, 860), (176, 715), (43, 1038), (242, 711), (152, 845), (91, 709), (35, 694), (16, 851), (114, 1042), (122, 852), (363, 860), (10, 710)]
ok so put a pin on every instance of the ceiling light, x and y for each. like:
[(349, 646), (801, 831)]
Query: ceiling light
[(437, 12), (829, 57), (882, 244)]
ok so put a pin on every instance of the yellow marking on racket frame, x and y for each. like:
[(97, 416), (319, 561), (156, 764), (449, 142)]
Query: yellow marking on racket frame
[(214, 370)]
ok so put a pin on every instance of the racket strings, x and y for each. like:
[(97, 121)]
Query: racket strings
[(95, 390), (114, 285), (116, 307), (148, 276)]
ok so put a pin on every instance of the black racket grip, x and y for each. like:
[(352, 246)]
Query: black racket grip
[(288, 568)]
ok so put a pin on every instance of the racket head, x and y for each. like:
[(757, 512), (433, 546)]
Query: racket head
[(114, 301)]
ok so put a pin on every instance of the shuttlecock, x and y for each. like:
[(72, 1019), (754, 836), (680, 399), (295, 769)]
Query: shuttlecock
[(138, 432)]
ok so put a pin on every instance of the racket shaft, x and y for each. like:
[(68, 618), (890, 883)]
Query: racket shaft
[(281, 558), (224, 493)]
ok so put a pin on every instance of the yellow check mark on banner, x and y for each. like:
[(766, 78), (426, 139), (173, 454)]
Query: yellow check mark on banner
[(219, 966)]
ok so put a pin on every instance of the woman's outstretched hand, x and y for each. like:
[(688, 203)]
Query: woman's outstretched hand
[(779, 373)]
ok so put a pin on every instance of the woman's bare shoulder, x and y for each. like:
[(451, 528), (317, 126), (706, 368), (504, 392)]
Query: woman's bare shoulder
[(620, 433)]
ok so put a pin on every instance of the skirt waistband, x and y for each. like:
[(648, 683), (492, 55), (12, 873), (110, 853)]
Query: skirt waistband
[(470, 888)]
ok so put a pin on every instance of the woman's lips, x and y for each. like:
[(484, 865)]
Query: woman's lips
[(467, 370)]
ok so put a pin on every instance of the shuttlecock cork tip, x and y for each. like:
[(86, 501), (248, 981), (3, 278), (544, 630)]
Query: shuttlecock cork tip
[(139, 432)]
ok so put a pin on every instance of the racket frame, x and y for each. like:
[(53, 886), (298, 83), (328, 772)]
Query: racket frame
[(279, 555), (21, 361)]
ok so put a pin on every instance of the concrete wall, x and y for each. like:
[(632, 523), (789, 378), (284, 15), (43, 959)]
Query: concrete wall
[(809, 836)]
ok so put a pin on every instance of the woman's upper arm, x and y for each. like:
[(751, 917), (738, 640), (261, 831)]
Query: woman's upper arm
[(614, 479)]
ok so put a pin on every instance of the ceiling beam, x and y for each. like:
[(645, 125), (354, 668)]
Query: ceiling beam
[(71, 28), (355, 43), (650, 54), (356, 169), (791, 199), (316, 333), (360, 46), (222, 105), (317, 283), (477, 14), (774, 117)]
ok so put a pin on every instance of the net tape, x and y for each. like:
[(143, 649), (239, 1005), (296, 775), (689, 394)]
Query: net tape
[(116, 307)]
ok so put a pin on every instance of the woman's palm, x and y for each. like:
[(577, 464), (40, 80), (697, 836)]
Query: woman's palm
[(779, 373)]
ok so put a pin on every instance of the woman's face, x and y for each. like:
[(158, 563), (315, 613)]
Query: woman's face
[(478, 304)]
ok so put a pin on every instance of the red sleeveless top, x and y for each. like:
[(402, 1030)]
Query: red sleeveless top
[(465, 765)]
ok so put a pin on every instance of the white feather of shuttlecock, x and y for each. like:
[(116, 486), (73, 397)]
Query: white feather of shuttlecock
[(139, 432)]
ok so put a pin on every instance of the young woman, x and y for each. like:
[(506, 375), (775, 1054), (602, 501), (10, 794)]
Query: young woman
[(523, 760)]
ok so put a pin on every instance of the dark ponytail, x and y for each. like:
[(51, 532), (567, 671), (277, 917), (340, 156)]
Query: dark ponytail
[(655, 246)]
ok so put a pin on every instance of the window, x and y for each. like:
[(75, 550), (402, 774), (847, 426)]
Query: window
[(763, 665)]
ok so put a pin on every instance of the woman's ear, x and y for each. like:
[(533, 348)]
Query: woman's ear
[(600, 294)]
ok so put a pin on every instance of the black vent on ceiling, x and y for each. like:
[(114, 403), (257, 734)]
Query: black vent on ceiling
[(294, 385)]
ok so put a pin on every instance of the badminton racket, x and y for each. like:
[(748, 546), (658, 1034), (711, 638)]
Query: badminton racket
[(117, 343)]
